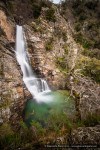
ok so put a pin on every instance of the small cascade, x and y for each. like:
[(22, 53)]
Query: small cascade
[(36, 86)]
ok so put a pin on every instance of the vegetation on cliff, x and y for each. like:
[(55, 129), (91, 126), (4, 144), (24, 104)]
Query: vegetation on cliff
[(64, 48)]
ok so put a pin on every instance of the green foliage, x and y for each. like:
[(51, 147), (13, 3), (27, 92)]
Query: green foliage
[(61, 63), (64, 36), (36, 10), (56, 121), (92, 120), (92, 69), (10, 139), (33, 25), (80, 39), (76, 4), (60, 33), (49, 45), (82, 17), (37, 7), (78, 27), (38, 127), (94, 53), (37, 26), (78, 11), (50, 14), (65, 47), (10, 5), (91, 4), (45, 3)]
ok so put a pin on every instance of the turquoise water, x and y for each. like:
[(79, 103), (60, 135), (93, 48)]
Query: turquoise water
[(61, 107)]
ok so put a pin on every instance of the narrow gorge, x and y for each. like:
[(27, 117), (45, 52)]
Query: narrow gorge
[(49, 74)]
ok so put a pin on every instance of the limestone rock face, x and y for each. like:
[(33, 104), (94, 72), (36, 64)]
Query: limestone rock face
[(53, 54), (87, 96), (6, 25), (86, 135), (11, 84)]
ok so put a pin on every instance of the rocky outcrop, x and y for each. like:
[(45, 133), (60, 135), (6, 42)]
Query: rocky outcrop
[(11, 84), (58, 37), (53, 55), (86, 135), (87, 94), (7, 26)]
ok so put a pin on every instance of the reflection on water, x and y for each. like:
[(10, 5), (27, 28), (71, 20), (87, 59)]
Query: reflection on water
[(59, 104)]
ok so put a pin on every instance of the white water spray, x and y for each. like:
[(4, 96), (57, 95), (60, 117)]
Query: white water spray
[(38, 87)]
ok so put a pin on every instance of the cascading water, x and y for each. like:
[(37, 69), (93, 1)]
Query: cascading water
[(38, 87)]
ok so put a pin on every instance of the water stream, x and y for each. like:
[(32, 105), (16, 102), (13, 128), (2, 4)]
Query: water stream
[(38, 87)]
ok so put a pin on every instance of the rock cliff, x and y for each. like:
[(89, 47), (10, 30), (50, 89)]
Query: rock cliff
[(54, 55)]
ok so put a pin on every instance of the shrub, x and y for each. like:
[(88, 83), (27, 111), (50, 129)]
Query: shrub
[(91, 4), (92, 69), (76, 4), (60, 62), (45, 3), (50, 14), (95, 53), (49, 45), (65, 47), (82, 17), (92, 120), (77, 27), (36, 11), (64, 36), (80, 39), (10, 139)]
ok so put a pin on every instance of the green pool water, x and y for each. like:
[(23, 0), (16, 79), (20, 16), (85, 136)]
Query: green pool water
[(60, 108)]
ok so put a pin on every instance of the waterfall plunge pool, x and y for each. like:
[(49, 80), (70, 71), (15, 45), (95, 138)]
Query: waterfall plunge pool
[(60, 109)]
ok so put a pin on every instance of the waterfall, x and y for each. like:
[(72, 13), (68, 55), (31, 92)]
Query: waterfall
[(37, 86)]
